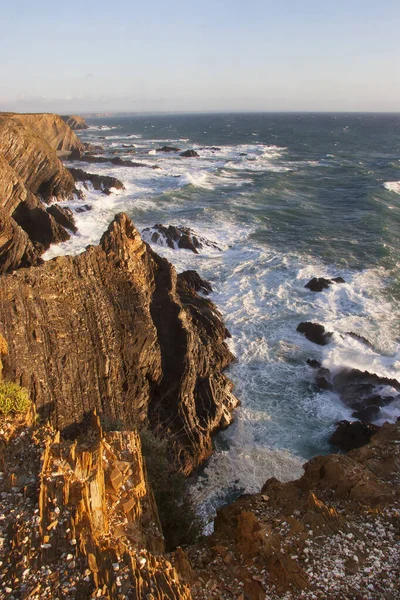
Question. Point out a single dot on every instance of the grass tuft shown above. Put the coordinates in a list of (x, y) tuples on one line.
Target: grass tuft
[(13, 398)]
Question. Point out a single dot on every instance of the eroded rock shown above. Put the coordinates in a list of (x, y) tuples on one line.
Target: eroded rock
[(99, 182), (176, 237), (113, 330)]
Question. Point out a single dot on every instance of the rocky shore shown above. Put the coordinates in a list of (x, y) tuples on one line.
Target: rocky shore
[(112, 345)]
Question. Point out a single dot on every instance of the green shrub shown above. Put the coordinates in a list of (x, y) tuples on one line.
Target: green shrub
[(13, 398), (181, 525)]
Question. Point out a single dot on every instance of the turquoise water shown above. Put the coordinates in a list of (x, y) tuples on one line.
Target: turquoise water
[(287, 198)]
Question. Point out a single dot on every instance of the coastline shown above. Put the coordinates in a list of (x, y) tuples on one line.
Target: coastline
[(194, 395)]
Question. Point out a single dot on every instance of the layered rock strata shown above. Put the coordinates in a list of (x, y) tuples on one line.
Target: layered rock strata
[(80, 517), (51, 128), (30, 175), (117, 330)]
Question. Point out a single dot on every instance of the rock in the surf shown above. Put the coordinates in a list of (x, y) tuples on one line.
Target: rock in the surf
[(189, 154), (317, 284), (99, 182), (315, 333), (176, 237), (168, 149)]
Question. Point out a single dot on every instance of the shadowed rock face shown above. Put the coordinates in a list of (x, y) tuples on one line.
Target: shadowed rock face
[(30, 173), (113, 330), (351, 435)]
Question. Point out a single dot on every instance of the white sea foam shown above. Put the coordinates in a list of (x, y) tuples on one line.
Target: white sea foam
[(102, 127), (392, 186)]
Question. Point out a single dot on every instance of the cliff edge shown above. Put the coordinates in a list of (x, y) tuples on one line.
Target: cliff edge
[(115, 329), (31, 175)]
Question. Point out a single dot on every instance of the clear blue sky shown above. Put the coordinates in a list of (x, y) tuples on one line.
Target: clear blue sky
[(194, 55)]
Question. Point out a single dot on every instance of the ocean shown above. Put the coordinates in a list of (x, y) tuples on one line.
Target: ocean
[(285, 197)]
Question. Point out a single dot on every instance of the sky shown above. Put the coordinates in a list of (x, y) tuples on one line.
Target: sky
[(199, 55)]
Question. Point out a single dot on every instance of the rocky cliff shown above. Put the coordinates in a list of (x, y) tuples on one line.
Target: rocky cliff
[(75, 122), (51, 128), (30, 175), (117, 330)]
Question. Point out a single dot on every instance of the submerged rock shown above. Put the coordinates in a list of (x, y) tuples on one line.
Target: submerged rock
[(313, 363), (119, 162), (84, 208), (168, 149)]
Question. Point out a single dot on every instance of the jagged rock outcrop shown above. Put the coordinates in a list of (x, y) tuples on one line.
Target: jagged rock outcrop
[(87, 525), (176, 237), (193, 280), (331, 534), (366, 393), (112, 330), (99, 182), (30, 173), (75, 122)]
